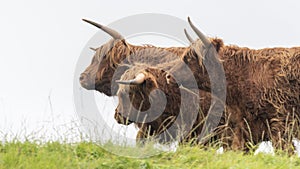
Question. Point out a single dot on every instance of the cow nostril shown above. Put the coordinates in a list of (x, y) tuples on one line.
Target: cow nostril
[(81, 77)]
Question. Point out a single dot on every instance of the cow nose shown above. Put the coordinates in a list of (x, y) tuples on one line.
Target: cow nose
[(82, 77), (85, 83)]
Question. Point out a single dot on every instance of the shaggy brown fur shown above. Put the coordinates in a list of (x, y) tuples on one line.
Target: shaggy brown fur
[(99, 74), (262, 100), (168, 125), (262, 91), (262, 86), (120, 56)]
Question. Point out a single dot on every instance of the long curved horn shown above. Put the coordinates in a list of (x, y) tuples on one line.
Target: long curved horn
[(108, 30), (188, 36), (139, 79), (202, 37)]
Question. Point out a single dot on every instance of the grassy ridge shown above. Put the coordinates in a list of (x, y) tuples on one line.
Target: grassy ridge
[(88, 155)]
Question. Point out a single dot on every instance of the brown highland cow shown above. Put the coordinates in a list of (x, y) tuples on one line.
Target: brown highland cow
[(262, 101)]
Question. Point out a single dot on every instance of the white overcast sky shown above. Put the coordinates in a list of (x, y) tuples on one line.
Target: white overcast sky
[(40, 42)]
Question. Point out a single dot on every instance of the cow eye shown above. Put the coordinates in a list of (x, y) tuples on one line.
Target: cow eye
[(94, 59)]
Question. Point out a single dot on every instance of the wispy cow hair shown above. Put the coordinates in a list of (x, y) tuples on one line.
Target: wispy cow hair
[(168, 125), (263, 86), (262, 90), (98, 75)]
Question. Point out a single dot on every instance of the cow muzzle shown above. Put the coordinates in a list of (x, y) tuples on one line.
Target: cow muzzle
[(85, 82)]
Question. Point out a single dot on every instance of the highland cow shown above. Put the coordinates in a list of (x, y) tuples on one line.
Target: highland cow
[(152, 99), (99, 74), (262, 86)]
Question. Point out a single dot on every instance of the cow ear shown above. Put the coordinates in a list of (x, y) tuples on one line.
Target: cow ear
[(218, 44), (124, 42), (150, 83), (93, 49), (150, 80)]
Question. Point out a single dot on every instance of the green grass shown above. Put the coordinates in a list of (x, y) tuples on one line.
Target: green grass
[(89, 155)]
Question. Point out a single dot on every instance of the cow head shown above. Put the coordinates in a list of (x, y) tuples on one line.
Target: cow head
[(98, 75), (144, 96), (203, 45), (152, 99), (201, 53)]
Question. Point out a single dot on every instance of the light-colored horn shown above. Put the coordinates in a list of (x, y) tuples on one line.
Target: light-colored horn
[(202, 37), (108, 30), (188, 36), (139, 79)]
